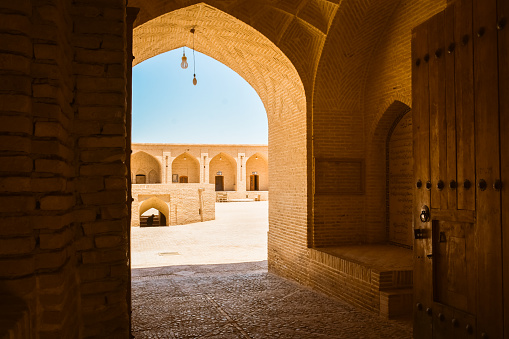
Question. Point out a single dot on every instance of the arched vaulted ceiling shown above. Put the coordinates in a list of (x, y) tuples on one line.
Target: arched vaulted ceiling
[(330, 42), (230, 41), (297, 27)]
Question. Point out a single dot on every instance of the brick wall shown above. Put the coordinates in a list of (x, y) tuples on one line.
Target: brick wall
[(101, 210), (182, 202), (37, 190), (387, 95)]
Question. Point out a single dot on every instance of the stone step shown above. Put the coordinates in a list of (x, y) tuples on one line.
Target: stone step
[(396, 302)]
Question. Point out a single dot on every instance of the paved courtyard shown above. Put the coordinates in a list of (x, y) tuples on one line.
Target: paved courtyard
[(210, 280)]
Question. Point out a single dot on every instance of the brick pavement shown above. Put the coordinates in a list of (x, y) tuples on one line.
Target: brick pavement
[(235, 297)]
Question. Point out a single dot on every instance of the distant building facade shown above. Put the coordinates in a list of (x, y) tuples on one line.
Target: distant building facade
[(183, 181)]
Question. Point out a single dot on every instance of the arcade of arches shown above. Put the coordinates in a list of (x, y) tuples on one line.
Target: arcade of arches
[(341, 82), (185, 178)]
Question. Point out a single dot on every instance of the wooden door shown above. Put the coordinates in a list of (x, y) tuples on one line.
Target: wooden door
[(219, 183), (458, 270), (183, 179), (254, 182)]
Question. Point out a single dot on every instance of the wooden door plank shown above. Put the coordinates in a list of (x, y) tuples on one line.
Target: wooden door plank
[(442, 318), (490, 306), (423, 323), (464, 80), (462, 321), (503, 64), (438, 127), (450, 107)]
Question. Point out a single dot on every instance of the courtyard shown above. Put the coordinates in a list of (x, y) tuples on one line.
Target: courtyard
[(210, 280)]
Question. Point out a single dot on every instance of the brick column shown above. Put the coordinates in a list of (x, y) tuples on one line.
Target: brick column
[(241, 172), (166, 168), (170, 168), (100, 67), (204, 168), (18, 192)]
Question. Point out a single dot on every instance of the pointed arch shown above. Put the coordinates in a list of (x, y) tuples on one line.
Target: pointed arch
[(258, 166), (158, 204), (377, 227), (144, 164), (186, 165), (223, 165)]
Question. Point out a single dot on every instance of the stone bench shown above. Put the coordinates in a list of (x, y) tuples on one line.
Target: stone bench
[(378, 278)]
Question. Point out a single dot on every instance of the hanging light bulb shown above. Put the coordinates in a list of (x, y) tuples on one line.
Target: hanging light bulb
[(194, 62), (184, 63)]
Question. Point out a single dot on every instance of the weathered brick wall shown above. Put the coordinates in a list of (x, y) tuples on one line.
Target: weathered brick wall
[(37, 191), (101, 211), (182, 201), (17, 201)]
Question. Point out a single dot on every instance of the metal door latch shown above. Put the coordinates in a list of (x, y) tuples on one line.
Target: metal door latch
[(424, 214)]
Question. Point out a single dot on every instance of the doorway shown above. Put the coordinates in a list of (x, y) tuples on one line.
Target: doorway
[(219, 183), (254, 181), (141, 179)]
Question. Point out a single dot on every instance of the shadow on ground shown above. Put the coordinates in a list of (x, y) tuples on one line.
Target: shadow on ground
[(243, 300)]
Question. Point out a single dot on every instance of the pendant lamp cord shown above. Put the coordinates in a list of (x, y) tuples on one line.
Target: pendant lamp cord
[(194, 61)]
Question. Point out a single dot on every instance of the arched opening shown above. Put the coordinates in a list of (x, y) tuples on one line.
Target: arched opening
[(257, 173), (258, 58), (185, 169), (223, 172), (153, 217), (154, 212), (142, 164), (262, 64)]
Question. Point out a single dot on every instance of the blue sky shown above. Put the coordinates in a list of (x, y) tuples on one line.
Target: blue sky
[(221, 109)]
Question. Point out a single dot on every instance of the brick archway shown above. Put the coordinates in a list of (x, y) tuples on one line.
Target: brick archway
[(278, 72)]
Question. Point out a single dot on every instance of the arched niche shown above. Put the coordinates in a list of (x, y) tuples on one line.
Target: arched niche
[(257, 173), (223, 167), (147, 165), (159, 205), (399, 181), (186, 166), (376, 228)]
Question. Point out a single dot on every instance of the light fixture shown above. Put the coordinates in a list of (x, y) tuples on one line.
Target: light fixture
[(194, 62), (220, 158), (184, 63), (185, 158), (256, 157)]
